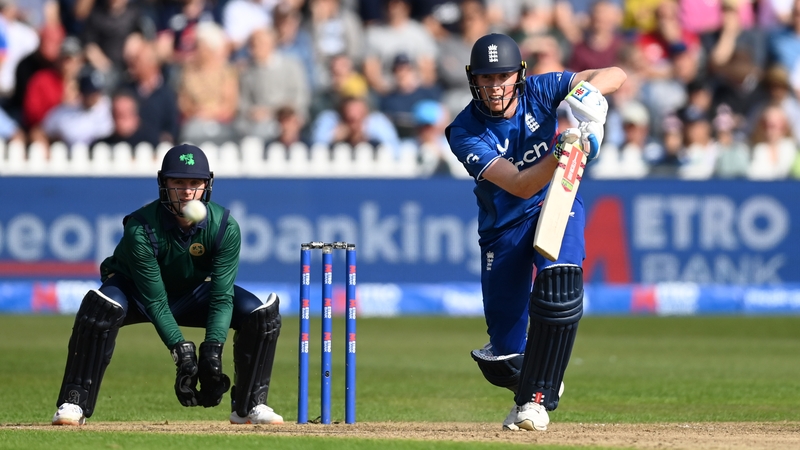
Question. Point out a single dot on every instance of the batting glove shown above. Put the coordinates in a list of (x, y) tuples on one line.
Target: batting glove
[(185, 357), (568, 136), (591, 139), (587, 103), (213, 383)]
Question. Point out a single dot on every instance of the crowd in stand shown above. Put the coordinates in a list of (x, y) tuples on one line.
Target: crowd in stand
[(712, 89)]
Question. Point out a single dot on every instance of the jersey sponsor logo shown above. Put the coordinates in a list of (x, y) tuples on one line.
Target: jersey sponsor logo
[(472, 158), (502, 149), (489, 260), (531, 155), (493, 58), (197, 249), (531, 122)]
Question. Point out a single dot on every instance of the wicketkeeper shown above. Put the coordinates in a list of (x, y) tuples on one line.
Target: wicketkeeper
[(172, 272)]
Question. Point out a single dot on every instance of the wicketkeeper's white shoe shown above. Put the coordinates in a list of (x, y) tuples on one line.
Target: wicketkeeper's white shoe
[(261, 414), (69, 414)]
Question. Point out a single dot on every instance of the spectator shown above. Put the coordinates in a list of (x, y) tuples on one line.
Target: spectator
[(271, 80), (209, 89), (454, 50), (440, 17), (49, 88), (157, 101), (776, 90), (295, 40), (290, 128), (240, 18), (435, 157), (107, 29), (669, 39), (345, 82), (398, 104), (734, 155), (602, 43), (572, 17), (177, 32), (9, 129), (784, 43), (128, 125), (84, 122), (668, 166), (774, 151), (700, 152), (19, 39), (539, 37), (631, 159), (398, 34), (353, 123), (334, 30), (639, 16), (44, 57)]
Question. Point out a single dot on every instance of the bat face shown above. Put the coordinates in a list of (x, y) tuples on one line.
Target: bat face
[(558, 203)]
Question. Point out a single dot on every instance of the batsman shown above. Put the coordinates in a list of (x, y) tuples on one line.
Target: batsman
[(506, 139), (174, 271)]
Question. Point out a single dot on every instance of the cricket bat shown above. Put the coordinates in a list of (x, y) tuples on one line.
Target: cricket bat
[(557, 204)]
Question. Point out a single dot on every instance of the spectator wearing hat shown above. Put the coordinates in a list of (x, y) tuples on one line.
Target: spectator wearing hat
[(51, 87), (345, 81), (734, 154), (629, 160), (84, 122), (436, 159), (408, 90)]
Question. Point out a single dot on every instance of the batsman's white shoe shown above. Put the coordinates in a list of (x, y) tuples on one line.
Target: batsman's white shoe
[(530, 416), (69, 414), (261, 414)]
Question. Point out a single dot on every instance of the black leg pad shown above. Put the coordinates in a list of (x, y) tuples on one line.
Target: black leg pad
[(254, 347), (91, 345), (556, 306)]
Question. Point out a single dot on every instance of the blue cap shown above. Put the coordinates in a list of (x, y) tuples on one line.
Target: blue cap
[(427, 112)]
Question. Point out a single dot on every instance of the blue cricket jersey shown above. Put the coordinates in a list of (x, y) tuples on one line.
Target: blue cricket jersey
[(477, 140)]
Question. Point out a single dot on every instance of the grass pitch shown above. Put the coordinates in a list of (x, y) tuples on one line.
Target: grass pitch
[(417, 369)]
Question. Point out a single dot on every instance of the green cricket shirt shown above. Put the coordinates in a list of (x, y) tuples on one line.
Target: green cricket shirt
[(185, 260)]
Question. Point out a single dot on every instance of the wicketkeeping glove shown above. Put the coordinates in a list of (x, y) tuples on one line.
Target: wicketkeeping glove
[(587, 103), (185, 357), (213, 383)]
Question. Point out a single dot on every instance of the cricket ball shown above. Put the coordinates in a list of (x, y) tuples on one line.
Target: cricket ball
[(194, 211)]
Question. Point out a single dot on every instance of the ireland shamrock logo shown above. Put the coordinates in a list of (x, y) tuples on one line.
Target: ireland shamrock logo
[(188, 159)]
